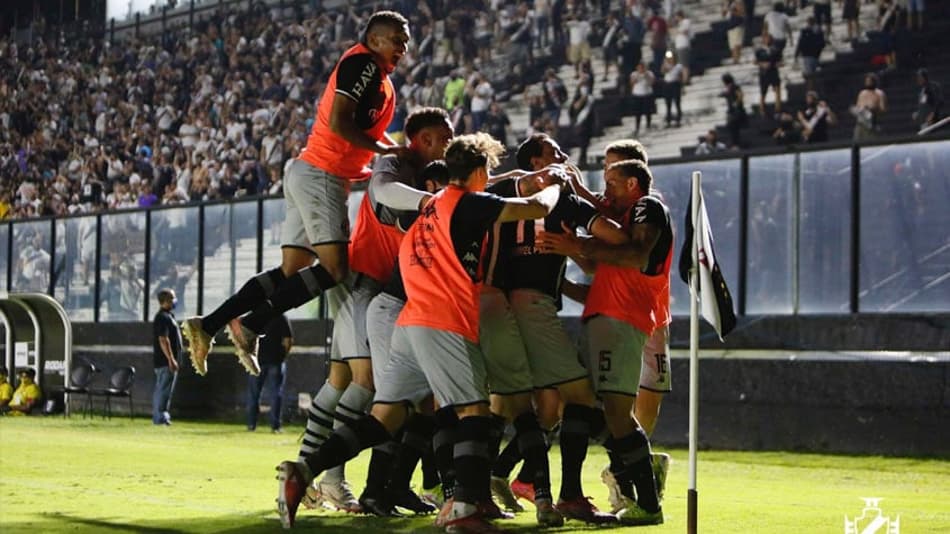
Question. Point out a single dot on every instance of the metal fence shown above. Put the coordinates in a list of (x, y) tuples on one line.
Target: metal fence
[(830, 231)]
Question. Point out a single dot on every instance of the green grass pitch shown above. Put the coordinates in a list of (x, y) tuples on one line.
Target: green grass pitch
[(75, 475)]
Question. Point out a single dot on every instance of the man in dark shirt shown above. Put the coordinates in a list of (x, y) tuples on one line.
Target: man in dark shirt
[(273, 350), (166, 356), (768, 57), (531, 281)]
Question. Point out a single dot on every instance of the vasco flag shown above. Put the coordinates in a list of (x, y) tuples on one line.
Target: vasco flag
[(718, 311)]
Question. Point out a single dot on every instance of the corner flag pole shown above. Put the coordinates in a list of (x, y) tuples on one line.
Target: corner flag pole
[(692, 495)]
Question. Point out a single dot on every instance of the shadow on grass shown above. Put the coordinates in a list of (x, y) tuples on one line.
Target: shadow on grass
[(247, 524)]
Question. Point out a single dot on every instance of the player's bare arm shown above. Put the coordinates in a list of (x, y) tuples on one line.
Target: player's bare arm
[(537, 206), (343, 123), (635, 254)]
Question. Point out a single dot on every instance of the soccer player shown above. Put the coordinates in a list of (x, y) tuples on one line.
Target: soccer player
[(532, 281), (351, 120), (620, 313), (435, 343), (348, 392), (655, 375)]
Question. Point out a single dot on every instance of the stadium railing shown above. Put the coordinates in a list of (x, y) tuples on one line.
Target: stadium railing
[(839, 230)]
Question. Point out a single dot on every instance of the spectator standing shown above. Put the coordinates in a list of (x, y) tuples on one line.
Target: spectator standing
[(641, 91), (710, 144), (682, 41), (777, 24), (811, 41), (734, 13), (868, 108), (275, 346), (578, 50), (929, 100), (166, 356), (482, 94), (850, 11), (822, 11), (610, 43), (768, 57), (659, 32), (497, 122), (555, 94), (27, 393), (631, 43), (736, 117), (542, 19), (674, 76)]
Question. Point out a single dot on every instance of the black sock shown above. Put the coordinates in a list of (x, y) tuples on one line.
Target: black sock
[(255, 291), (416, 439), (617, 468), (598, 426), (505, 462), (471, 460), (575, 435), (346, 442), (430, 469), (534, 449), (380, 465), (443, 445), (299, 289), (634, 452)]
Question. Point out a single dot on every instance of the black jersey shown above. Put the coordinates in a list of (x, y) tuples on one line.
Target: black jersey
[(514, 262)]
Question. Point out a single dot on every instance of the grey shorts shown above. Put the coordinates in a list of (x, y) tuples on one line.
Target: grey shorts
[(380, 322), (500, 338), (316, 207), (552, 355), (656, 373), (614, 355), (425, 360), (349, 325)]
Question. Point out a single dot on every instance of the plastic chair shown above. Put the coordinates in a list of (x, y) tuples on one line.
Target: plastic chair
[(120, 385), (79, 380)]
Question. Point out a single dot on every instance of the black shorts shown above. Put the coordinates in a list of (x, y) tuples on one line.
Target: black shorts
[(768, 79)]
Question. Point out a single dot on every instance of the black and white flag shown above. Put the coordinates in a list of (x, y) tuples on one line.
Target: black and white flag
[(715, 298)]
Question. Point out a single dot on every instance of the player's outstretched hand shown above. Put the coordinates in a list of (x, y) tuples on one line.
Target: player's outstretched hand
[(566, 244)]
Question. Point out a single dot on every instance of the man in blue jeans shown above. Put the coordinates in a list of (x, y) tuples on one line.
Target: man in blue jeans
[(166, 355), (272, 351)]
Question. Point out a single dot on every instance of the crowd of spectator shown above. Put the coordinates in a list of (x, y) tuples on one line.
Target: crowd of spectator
[(216, 110)]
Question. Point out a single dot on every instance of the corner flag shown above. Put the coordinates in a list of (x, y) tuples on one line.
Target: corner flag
[(707, 287), (714, 296)]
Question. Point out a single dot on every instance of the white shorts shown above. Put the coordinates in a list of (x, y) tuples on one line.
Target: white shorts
[(380, 322), (614, 351), (656, 375), (349, 325), (552, 356), (506, 360), (316, 203), (428, 361)]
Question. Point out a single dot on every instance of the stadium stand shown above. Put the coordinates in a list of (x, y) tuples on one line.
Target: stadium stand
[(214, 110)]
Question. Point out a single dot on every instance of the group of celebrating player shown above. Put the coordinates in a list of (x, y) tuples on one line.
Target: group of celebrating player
[(449, 329)]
